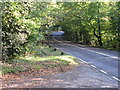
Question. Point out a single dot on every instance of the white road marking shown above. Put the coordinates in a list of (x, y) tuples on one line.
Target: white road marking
[(87, 62), (71, 55), (80, 59), (91, 50), (103, 71), (116, 78), (93, 66), (97, 52)]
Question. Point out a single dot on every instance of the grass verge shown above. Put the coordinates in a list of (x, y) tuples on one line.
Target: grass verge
[(45, 57)]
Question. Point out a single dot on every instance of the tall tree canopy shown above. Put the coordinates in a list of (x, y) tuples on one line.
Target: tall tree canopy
[(91, 23)]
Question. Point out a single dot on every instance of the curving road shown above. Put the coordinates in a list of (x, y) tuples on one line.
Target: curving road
[(104, 60)]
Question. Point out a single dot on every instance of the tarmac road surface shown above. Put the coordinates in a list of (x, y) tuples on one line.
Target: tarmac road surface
[(104, 60)]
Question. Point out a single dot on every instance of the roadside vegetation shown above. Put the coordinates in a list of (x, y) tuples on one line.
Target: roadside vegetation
[(43, 57), (26, 25)]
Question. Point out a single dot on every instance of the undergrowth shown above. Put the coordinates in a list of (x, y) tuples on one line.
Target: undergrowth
[(38, 60)]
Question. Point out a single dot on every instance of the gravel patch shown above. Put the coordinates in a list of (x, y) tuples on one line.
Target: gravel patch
[(84, 76)]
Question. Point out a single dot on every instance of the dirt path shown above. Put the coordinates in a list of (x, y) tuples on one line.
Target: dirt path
[(82, 76)]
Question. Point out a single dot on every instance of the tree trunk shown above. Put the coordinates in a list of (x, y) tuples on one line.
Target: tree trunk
[(99, 32)]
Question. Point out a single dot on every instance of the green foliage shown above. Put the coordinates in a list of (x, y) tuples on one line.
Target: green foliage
[(18, 29), (95, 23), (33, 62), (37, 67), (24, 24), (10, 69), (13, 36)]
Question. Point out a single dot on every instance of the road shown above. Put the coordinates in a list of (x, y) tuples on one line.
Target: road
[(106, 61)]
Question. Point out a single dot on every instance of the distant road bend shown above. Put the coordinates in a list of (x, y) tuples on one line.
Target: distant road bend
[(104, 60)]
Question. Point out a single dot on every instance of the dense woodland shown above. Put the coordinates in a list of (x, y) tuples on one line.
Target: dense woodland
[(24, 24)]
